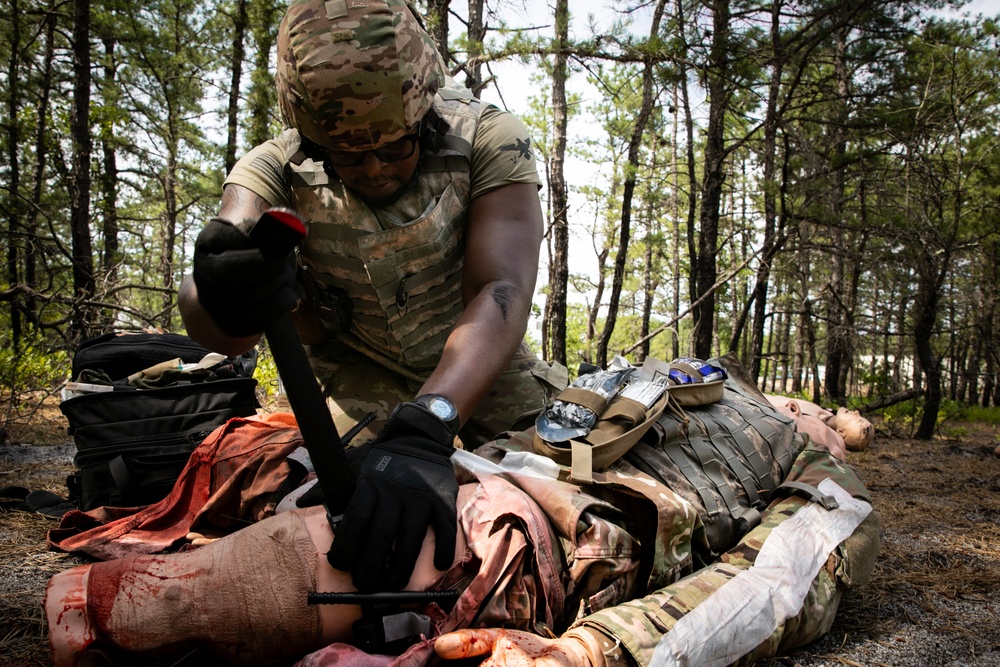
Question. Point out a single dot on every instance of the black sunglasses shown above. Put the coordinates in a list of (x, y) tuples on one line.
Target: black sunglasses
[(398, 150)]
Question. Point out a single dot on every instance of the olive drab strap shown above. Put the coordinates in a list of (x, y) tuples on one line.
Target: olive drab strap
[(809, 491), (722, 441), (713, 469), (766, 429), (684, 458), (727, 428)]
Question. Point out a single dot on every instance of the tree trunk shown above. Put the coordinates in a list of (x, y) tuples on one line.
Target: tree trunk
[(602, 258), (555, 324), (109, 176), (168, 229), (772, 238), (675, 249), (649, 281), (807, 318), (624, 232), (236, 64), (928, 297), (837, 325), (476, 33), (262, 99), (704, 268), (14, 222), (82, 249), (437, 25), (692, 177), (110, 256), (32, 244)]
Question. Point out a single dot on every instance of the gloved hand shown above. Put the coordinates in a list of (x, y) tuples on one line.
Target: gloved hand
[(406, 485), (242, 287)]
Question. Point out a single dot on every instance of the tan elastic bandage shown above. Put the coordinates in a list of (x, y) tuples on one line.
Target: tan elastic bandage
[(243, 596)]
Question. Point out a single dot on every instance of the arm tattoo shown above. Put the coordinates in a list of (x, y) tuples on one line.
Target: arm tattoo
[(238, 198), (502, 296)]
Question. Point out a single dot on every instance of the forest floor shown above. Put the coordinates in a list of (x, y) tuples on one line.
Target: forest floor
[(934, 599)]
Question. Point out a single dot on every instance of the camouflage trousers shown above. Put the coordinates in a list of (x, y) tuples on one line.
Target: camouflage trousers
[(356, 385), (631, 631)]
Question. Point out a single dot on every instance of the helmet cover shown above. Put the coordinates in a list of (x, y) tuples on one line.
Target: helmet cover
[(355, 74)]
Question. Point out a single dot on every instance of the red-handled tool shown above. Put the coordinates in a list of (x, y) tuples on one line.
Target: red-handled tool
[(279, 231)]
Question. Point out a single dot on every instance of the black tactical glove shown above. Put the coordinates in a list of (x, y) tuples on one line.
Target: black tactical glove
[(242, 287), (406, 484)]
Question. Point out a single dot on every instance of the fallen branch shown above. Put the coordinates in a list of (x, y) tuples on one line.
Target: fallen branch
[(892, 399)]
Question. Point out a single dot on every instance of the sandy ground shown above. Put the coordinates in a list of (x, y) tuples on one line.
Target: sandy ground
[(933, 601)]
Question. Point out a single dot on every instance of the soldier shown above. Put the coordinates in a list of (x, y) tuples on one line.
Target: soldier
[(418, 269)]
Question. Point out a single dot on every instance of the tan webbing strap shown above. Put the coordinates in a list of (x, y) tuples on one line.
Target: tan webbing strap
[(607, 442), (620, 416), (689, 369), (629, 408), (677, 410), (581, 469)]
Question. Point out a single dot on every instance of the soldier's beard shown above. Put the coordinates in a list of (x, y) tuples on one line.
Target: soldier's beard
[(381, 202)]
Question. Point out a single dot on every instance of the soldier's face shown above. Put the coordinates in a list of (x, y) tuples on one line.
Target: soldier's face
[(377, 180)]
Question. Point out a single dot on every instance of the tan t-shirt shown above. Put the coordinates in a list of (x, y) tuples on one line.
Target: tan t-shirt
[(502, 153)]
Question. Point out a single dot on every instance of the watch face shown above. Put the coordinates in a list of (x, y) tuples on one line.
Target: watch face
[(442, 408)]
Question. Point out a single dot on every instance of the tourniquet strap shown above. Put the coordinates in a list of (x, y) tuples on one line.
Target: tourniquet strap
[(811, 492)]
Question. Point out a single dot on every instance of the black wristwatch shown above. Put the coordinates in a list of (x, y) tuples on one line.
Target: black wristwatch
[(442, 408)]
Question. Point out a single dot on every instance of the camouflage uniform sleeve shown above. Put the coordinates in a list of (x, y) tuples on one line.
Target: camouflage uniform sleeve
[(502, 153), (635, 627), (262, 172)]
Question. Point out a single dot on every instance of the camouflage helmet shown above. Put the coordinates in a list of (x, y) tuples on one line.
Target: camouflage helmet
[(355, 75)]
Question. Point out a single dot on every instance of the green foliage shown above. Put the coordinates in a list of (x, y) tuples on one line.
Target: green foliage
[(31, 368), (879, 380), (902, 415), (887, 172), (266, 374), (951, 411), (980, 415)]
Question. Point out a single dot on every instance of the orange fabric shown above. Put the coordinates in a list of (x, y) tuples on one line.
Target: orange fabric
[(236, 476)]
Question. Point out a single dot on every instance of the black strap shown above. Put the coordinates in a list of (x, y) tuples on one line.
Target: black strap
[(122, 476), (811, 492)]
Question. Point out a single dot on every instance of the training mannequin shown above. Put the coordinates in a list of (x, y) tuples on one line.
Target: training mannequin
[(856, 431)]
